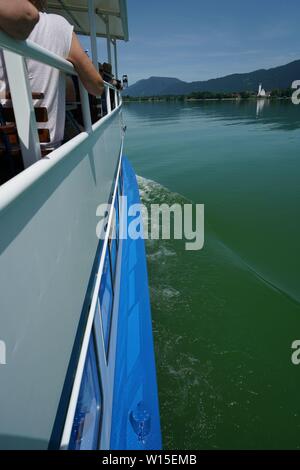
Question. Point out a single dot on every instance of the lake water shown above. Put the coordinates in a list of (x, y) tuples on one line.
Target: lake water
[(225, 317)]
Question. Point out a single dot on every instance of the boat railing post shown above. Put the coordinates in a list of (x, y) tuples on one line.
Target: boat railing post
[(116, 58), (92, 22), (85, 104), (23, 107), (116, 98), (108, 40), (107, 95)]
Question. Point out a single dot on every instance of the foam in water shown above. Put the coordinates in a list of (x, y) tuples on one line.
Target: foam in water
[(211, 315)]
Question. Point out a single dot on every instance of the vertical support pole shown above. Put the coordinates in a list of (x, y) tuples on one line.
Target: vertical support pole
[(23, 108), (108, 41), (116, 59), (93, 33), (116, 98), (85, 106), (108, 102)]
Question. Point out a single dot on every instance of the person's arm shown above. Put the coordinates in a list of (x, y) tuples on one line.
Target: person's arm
[(89, 76), (18, 18)]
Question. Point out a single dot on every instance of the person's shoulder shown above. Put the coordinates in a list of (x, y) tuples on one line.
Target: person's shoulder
[(57, 21)]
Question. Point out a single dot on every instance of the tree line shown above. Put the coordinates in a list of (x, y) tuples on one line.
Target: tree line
[(209, 95)]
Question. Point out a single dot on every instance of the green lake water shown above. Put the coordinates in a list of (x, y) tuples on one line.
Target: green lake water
[(224, 318)]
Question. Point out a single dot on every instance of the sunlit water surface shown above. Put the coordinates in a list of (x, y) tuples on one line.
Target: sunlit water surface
[(224, 318)]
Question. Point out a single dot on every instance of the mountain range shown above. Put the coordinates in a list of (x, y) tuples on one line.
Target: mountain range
[(277, 77)]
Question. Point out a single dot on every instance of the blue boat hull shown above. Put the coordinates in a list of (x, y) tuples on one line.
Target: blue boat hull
[(135, 419)]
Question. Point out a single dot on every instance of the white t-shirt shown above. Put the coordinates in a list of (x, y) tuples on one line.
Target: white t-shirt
[(53, 32)]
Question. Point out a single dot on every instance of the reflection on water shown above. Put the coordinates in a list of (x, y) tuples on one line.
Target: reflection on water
[(279, 114), (260, 106), (225, 317)]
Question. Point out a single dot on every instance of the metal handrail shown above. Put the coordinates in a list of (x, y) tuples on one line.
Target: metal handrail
[(31, 50), (21, 49)]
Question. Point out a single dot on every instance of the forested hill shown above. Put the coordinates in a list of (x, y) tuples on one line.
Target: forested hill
[(277, 77)]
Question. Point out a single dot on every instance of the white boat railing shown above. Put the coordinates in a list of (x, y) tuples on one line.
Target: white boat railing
[(15, 53), (107, 367)]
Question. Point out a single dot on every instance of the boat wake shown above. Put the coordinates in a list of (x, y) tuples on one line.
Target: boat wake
[(212, 312), (152, 192)]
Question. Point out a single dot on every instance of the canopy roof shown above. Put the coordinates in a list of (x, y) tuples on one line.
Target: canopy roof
[(112, 11)]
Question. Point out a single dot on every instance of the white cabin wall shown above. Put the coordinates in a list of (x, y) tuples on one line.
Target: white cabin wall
[(47, 248)]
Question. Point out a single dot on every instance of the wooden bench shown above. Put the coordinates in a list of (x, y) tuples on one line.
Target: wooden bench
[(11, 161)]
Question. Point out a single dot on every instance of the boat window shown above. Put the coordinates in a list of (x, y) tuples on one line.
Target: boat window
[(106, 299), (86, 426)]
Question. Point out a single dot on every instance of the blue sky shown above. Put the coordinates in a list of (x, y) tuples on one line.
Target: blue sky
[(198, 40)]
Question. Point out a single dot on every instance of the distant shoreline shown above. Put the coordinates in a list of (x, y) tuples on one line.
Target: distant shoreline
[(189, 100), (240, 99)]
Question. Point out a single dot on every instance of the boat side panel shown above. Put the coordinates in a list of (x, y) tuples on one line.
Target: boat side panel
[(135, 388), (47, 249)]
